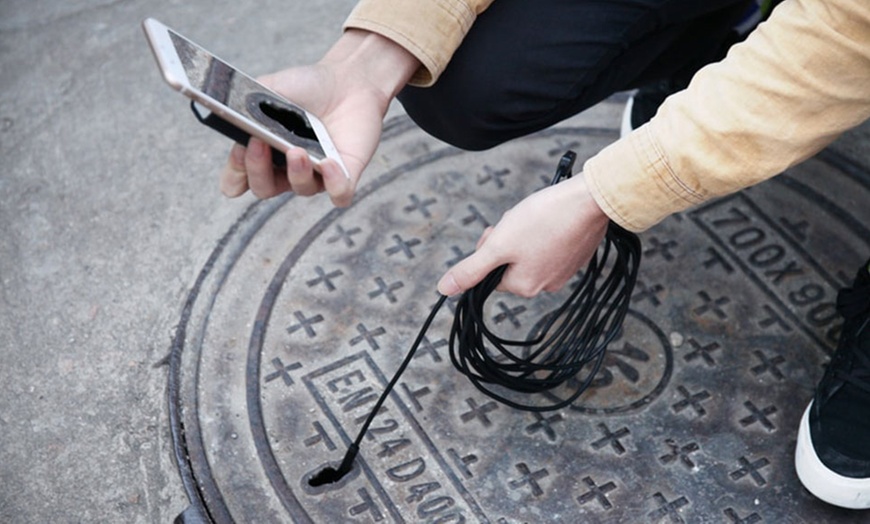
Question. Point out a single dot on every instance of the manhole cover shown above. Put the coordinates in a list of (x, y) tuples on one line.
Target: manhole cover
[(303, 313)]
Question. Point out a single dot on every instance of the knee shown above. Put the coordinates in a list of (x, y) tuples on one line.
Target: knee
[(465, 117)]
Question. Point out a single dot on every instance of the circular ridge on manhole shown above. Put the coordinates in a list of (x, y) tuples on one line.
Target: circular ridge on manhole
[(298, 319)]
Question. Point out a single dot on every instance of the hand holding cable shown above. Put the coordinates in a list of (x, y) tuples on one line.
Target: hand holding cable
[(545, 239)]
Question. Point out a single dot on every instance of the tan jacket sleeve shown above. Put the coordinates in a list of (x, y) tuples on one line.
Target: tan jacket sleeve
[(430, 29), (800, 80)]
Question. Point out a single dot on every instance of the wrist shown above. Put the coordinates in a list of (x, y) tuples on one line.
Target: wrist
[(588, 209), (373, 58)]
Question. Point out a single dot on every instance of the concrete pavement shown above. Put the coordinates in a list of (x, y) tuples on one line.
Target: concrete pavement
[(108, 207)]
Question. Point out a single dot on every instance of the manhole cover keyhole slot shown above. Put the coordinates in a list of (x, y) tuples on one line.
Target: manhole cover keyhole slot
[(327, 475)]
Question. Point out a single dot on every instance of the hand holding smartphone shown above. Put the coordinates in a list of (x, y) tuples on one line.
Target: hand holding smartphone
[(235, 104)]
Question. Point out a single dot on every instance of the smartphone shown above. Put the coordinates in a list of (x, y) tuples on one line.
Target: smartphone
[(234, 103)]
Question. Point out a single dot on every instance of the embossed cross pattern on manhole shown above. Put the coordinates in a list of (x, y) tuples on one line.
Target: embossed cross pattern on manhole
[(298, 320)]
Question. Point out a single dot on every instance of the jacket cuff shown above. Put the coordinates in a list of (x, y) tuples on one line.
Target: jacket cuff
[(634, 185), (432, 43)]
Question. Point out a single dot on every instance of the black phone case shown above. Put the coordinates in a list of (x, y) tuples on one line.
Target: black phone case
[(232, 132)]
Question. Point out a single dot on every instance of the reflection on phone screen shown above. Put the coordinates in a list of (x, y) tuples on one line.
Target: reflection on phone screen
[(245, 96)]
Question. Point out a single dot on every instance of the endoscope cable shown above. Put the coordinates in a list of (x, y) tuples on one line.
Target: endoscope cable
[(582, 327)]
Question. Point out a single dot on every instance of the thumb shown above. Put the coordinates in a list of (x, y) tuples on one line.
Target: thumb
[(337, 182), (467, 273)]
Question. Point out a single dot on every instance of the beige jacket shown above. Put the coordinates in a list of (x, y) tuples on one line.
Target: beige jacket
[(799, 80)]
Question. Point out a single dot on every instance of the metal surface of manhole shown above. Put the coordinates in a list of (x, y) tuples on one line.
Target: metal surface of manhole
[(299, 319)]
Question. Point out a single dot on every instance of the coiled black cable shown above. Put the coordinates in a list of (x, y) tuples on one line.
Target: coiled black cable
[(571, 338)]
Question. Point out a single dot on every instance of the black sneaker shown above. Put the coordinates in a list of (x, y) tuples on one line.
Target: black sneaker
[(833, 447)]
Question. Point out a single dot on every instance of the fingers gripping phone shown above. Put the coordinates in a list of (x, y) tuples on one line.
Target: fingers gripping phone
[(235, 104)]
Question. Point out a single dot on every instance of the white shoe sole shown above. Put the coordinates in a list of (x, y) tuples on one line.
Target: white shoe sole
[(625, 125), (825, 484)]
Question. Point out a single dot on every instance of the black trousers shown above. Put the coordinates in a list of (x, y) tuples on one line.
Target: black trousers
[(526, 65)]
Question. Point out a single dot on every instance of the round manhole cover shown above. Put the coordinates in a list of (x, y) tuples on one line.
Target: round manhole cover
[(303, 312)]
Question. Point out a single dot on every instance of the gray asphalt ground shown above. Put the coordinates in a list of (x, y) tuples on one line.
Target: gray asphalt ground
[(109, 206)]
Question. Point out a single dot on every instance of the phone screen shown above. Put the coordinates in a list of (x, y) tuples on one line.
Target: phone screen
[(245, 96)]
